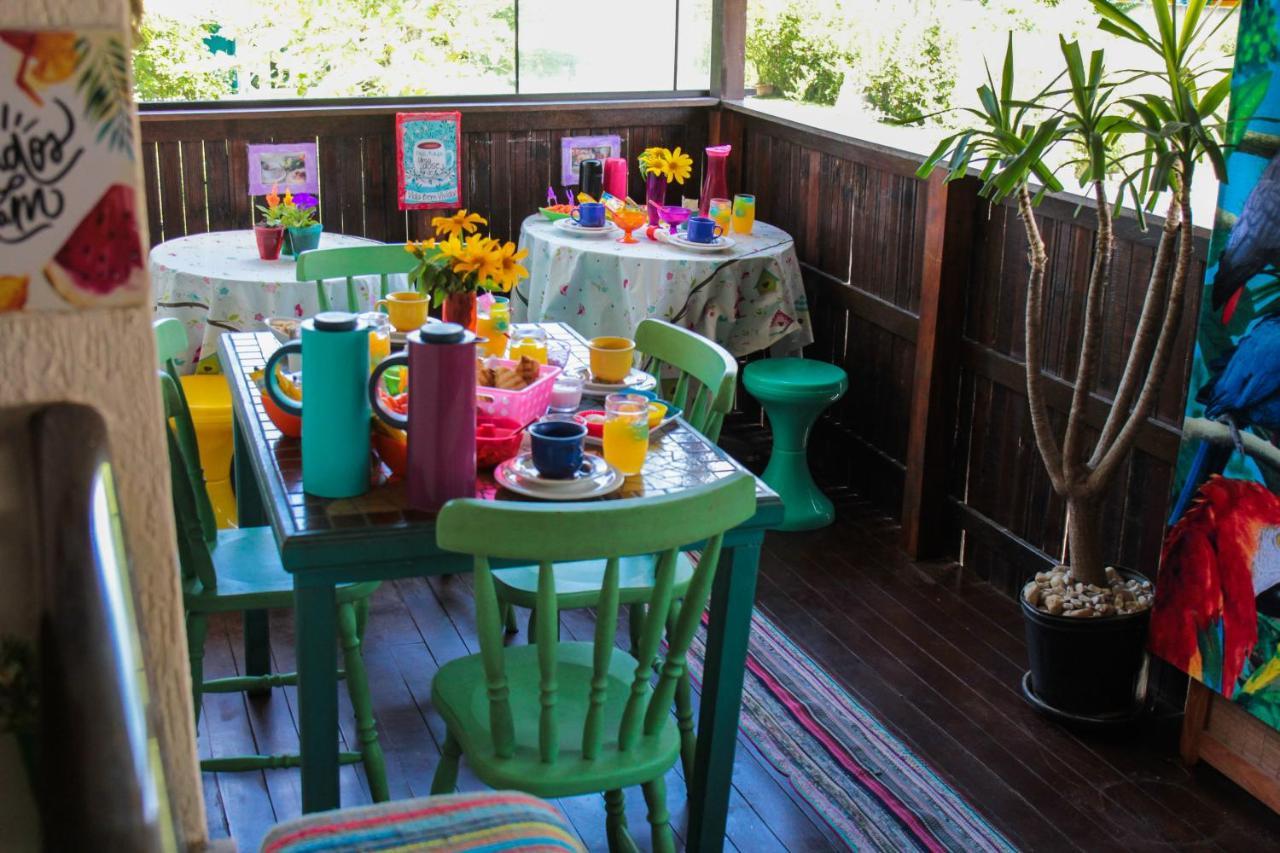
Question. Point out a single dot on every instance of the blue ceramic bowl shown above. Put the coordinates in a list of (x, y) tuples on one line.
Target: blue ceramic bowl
[(557, 448)]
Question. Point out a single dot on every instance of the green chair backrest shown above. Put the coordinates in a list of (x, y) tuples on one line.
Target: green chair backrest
[(555, 533), (349, 262), (713, 371), (192, 511)]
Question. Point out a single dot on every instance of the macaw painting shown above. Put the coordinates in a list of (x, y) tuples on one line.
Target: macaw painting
[(1217, 605)]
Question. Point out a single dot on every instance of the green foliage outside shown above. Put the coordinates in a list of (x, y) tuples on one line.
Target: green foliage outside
[(325, 48), (794, 53), (917, 76)]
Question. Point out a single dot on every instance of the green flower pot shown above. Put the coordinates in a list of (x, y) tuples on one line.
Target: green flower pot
[(303, 239)]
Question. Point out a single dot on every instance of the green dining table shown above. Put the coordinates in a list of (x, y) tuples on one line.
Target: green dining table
[(376, 536)]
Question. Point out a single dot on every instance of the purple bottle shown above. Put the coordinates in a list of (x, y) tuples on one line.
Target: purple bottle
[(442, 413)]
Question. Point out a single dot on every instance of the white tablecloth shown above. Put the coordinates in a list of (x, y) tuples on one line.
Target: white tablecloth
[(216, 283), (748, 298)]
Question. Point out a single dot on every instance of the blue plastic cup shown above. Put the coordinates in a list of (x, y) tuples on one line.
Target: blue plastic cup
[(702, 229), (557, 448), (589, 214)]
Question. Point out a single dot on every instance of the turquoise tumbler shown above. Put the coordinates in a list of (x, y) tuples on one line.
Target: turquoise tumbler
[(335, 426)]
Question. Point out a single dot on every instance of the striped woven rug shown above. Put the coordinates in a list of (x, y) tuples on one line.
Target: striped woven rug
[(864, 782)]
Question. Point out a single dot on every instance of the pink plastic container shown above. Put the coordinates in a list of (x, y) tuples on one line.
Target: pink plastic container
[(527, 404)]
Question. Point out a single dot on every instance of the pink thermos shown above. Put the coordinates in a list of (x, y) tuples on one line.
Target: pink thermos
[(442, 413), (615, 176)]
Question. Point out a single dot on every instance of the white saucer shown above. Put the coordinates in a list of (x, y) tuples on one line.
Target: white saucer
[(636, 380), (607, 483), (593, 467), (719, 244), (570, 227)]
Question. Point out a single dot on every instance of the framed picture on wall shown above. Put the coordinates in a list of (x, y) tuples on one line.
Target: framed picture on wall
[(291, 166), (429, 160), (575, 149)]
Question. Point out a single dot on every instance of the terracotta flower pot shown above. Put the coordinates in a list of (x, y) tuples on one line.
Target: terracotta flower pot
[(270, 240)]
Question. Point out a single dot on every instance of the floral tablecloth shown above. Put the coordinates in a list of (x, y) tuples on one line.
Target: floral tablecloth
[(748, 298), (216, 283)]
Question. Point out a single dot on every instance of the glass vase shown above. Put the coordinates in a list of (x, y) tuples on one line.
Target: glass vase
[(715, 182), (655, 196), (460, 308)]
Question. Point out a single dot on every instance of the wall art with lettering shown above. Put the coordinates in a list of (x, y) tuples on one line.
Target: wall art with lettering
[(69, 225), (429, 160)]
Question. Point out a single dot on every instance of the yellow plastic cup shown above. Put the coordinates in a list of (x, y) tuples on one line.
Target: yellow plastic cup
[(626, 432), (744, 213), (406, 308), (611, 358)]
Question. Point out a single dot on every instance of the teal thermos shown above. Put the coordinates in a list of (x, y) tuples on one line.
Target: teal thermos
[(335, 410)]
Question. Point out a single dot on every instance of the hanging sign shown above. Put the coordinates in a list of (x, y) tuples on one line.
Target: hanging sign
[(429, 160), (69, 225)]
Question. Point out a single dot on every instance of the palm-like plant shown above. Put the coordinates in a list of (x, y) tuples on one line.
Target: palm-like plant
[(1139, 135)]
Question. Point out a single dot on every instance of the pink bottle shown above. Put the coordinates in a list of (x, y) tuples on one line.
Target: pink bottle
[(715, 183), (615, 176), (442, 413)]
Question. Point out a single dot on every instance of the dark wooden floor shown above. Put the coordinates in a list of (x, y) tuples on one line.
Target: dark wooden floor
[(935, 654)]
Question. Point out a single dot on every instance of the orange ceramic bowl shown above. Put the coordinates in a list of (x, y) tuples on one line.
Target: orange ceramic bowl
[(289, 425), (393, 452)]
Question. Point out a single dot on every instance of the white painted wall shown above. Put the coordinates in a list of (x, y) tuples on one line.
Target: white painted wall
[(106, 358)]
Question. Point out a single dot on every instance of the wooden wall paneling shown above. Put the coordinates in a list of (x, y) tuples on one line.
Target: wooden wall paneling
[(330, 155), (379, 218), (242, 212), (193, 190), (480, 167), (217, 186), (835, 212), (351, 185), (500, 193), (151, 186), (172, 205)]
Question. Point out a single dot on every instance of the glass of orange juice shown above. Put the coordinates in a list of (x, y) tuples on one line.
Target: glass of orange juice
[(626, 432), (744, 213), (379, 336), (528, 340), (721, 210)]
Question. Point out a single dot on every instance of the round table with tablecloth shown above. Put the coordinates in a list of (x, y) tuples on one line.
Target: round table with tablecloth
[(747, 298), (215, 283)]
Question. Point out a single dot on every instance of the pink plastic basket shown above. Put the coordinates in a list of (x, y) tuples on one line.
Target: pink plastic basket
[(526, 405)]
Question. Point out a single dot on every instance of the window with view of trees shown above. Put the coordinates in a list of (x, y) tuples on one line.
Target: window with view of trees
[(214, 50)]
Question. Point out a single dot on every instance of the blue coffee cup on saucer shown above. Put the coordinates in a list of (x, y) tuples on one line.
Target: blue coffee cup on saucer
[(702, 229), (557, 448), (589, 214)]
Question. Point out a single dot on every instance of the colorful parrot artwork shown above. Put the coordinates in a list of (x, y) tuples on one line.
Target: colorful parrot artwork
[(1220, 571), (1253, 245)]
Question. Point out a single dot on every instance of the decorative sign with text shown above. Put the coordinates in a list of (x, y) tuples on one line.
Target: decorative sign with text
[(69, 228), (429, 160)]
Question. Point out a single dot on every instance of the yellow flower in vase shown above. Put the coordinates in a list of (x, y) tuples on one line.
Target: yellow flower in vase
[(510, 270), (679, 166), (458, 224)]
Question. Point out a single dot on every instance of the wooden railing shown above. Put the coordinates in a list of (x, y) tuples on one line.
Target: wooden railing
[(196, 165), (915, 287)]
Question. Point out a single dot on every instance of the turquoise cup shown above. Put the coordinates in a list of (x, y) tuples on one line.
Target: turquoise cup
[(335, 427)]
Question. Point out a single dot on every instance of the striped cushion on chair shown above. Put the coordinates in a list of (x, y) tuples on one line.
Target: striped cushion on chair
[(489, 821)]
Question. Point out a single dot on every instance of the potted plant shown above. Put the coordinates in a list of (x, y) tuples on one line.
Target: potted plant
[(1132, 138), (659, 166), (298, 216), (458, 262), (269, 232)]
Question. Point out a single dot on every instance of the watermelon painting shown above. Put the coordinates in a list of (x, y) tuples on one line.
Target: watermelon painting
[(101, 262)]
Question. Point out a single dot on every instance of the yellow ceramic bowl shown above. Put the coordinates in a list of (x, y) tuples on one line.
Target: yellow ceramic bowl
[(406, 308), (657, 411), (611, 358)]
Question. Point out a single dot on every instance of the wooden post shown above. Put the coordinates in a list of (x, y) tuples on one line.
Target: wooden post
[(728, 49), (947, 222)]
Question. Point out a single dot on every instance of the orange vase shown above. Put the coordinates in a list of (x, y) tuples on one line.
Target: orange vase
[(460, 308)]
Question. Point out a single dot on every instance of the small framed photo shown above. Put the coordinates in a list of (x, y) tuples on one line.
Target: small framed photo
[(429, 160), (287, 166), (575, 149)]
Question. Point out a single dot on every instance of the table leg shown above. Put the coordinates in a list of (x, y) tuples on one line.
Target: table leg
[(729, 625), (250, 513), (314, 610)]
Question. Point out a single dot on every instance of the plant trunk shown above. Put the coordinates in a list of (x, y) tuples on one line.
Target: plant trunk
[(1084, 536)]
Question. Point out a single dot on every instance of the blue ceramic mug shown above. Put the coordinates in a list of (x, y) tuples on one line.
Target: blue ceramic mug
[(703, 229), (589, 214), (557, 448)]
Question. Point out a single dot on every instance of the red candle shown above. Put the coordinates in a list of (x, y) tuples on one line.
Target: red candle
[(615, 176)]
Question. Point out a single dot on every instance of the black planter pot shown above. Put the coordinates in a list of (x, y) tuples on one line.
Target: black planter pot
[(1091, 671)]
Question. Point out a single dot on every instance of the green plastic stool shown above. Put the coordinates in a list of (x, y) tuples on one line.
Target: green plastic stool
[(794, 391)]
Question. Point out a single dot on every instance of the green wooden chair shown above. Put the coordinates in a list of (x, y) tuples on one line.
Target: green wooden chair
[(240, 570), (320, 264), (559, 719), (705, 378)]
